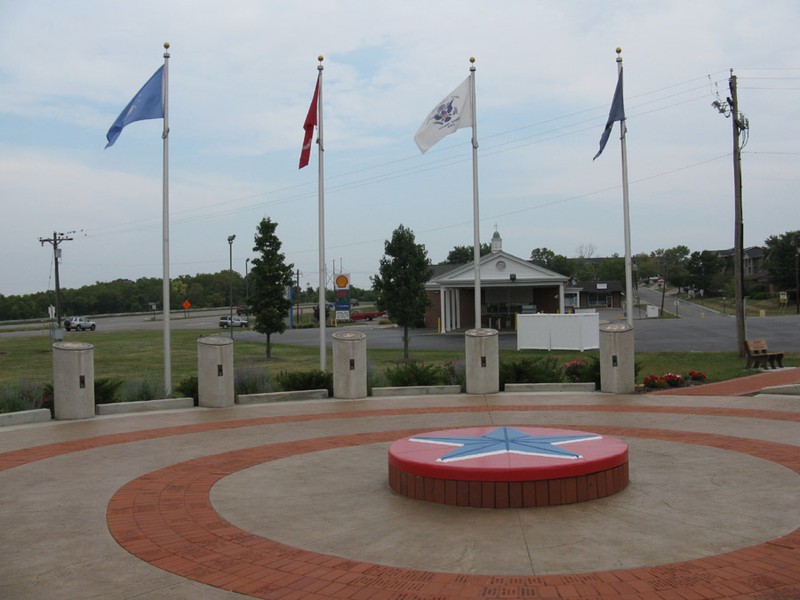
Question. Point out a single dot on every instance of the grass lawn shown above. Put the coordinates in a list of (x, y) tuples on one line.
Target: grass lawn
[(138, 355)]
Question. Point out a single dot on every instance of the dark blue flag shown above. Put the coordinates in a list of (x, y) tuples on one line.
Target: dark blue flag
[(617, 113), (148, 103)]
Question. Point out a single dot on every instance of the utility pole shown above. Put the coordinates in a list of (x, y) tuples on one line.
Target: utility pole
[(740, 124), (797, 280), (55, 241)]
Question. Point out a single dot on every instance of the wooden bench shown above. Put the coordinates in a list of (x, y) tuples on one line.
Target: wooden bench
[(758, 354)]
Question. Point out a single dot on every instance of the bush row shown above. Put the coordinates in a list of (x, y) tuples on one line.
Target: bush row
[(255, 380)]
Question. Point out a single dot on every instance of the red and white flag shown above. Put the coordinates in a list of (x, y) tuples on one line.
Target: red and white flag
[(311, 122)]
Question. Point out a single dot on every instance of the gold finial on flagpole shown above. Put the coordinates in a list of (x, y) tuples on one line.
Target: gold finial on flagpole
[(472, 63), (166, 49), (320, 58)]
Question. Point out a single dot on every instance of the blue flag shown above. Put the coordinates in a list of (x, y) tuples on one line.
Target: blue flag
[(617, 113), (148, 103)]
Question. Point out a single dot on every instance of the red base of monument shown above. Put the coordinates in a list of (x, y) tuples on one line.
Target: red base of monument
[(527, 472)]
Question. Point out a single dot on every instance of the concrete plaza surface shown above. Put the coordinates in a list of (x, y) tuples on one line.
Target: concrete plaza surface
[(291, 501)]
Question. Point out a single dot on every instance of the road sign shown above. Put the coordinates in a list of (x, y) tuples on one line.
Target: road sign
[(342, 281), (186, 305)]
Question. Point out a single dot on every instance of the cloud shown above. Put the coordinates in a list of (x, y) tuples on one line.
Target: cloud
[(241, 79)]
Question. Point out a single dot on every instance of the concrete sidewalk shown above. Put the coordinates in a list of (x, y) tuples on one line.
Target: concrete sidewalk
[(290, 501)]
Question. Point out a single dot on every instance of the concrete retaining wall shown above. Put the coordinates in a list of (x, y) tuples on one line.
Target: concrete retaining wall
[(416, 390), (282, 396), (118, 408), (22, 417), (550, 387)]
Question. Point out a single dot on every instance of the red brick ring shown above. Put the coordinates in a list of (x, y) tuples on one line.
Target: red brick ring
[(166, 519)]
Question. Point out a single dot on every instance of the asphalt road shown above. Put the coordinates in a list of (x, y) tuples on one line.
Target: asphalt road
[(696, 330)]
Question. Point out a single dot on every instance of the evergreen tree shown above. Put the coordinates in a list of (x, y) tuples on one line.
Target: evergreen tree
[(270, 278), (400, 284)]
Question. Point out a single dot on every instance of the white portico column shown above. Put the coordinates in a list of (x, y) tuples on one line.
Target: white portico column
[(442, 309), (457, 309), (561, 305)]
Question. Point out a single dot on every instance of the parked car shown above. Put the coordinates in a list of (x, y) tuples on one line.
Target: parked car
[(226, 322), (79, 324), (357, 315)]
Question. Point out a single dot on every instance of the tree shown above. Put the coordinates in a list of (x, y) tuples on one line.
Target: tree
[(646, 266), (562, 265), (703, 267), (461, 255), (270, 278), (400, 283), (780, 257), (543, 255), (611, 269)]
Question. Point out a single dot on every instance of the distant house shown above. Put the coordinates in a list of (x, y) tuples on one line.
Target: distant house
[(600, 294), (509, 285), (753, 267)]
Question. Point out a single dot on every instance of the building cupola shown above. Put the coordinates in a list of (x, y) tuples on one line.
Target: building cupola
[(497, 242)]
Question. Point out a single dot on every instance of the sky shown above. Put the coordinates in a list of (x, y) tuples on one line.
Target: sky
[(241, 77)]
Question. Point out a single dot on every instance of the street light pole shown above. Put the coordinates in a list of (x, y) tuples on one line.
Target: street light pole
[(230, 279)]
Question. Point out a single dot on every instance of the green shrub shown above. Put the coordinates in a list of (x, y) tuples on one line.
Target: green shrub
[(147, 388), (187, 388), (415, 373), (305, 380), (105, 390), (374, 379), (584, 370), (546, 369), (25, 395), (251, 380), (456, 374)]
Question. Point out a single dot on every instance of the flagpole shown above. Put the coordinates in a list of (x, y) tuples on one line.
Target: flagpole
[(626, 211), (165, 228), (321, 202), (476, 223)]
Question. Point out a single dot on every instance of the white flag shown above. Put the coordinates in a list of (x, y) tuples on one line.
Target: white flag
[(453, 112)]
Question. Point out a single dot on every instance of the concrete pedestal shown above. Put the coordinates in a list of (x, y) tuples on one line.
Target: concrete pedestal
[(482, 355), (73, 380), (349, 365), (215, 372), (617, 374)]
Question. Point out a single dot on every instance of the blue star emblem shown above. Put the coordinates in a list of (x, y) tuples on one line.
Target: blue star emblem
[(506, 440)]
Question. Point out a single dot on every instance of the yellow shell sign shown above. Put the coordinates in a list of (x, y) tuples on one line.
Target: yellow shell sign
[(342, 282)]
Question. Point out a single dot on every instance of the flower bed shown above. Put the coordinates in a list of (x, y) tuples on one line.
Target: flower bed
[(670, 380)]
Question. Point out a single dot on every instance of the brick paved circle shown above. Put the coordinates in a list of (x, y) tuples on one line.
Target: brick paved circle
[(166, 518)]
